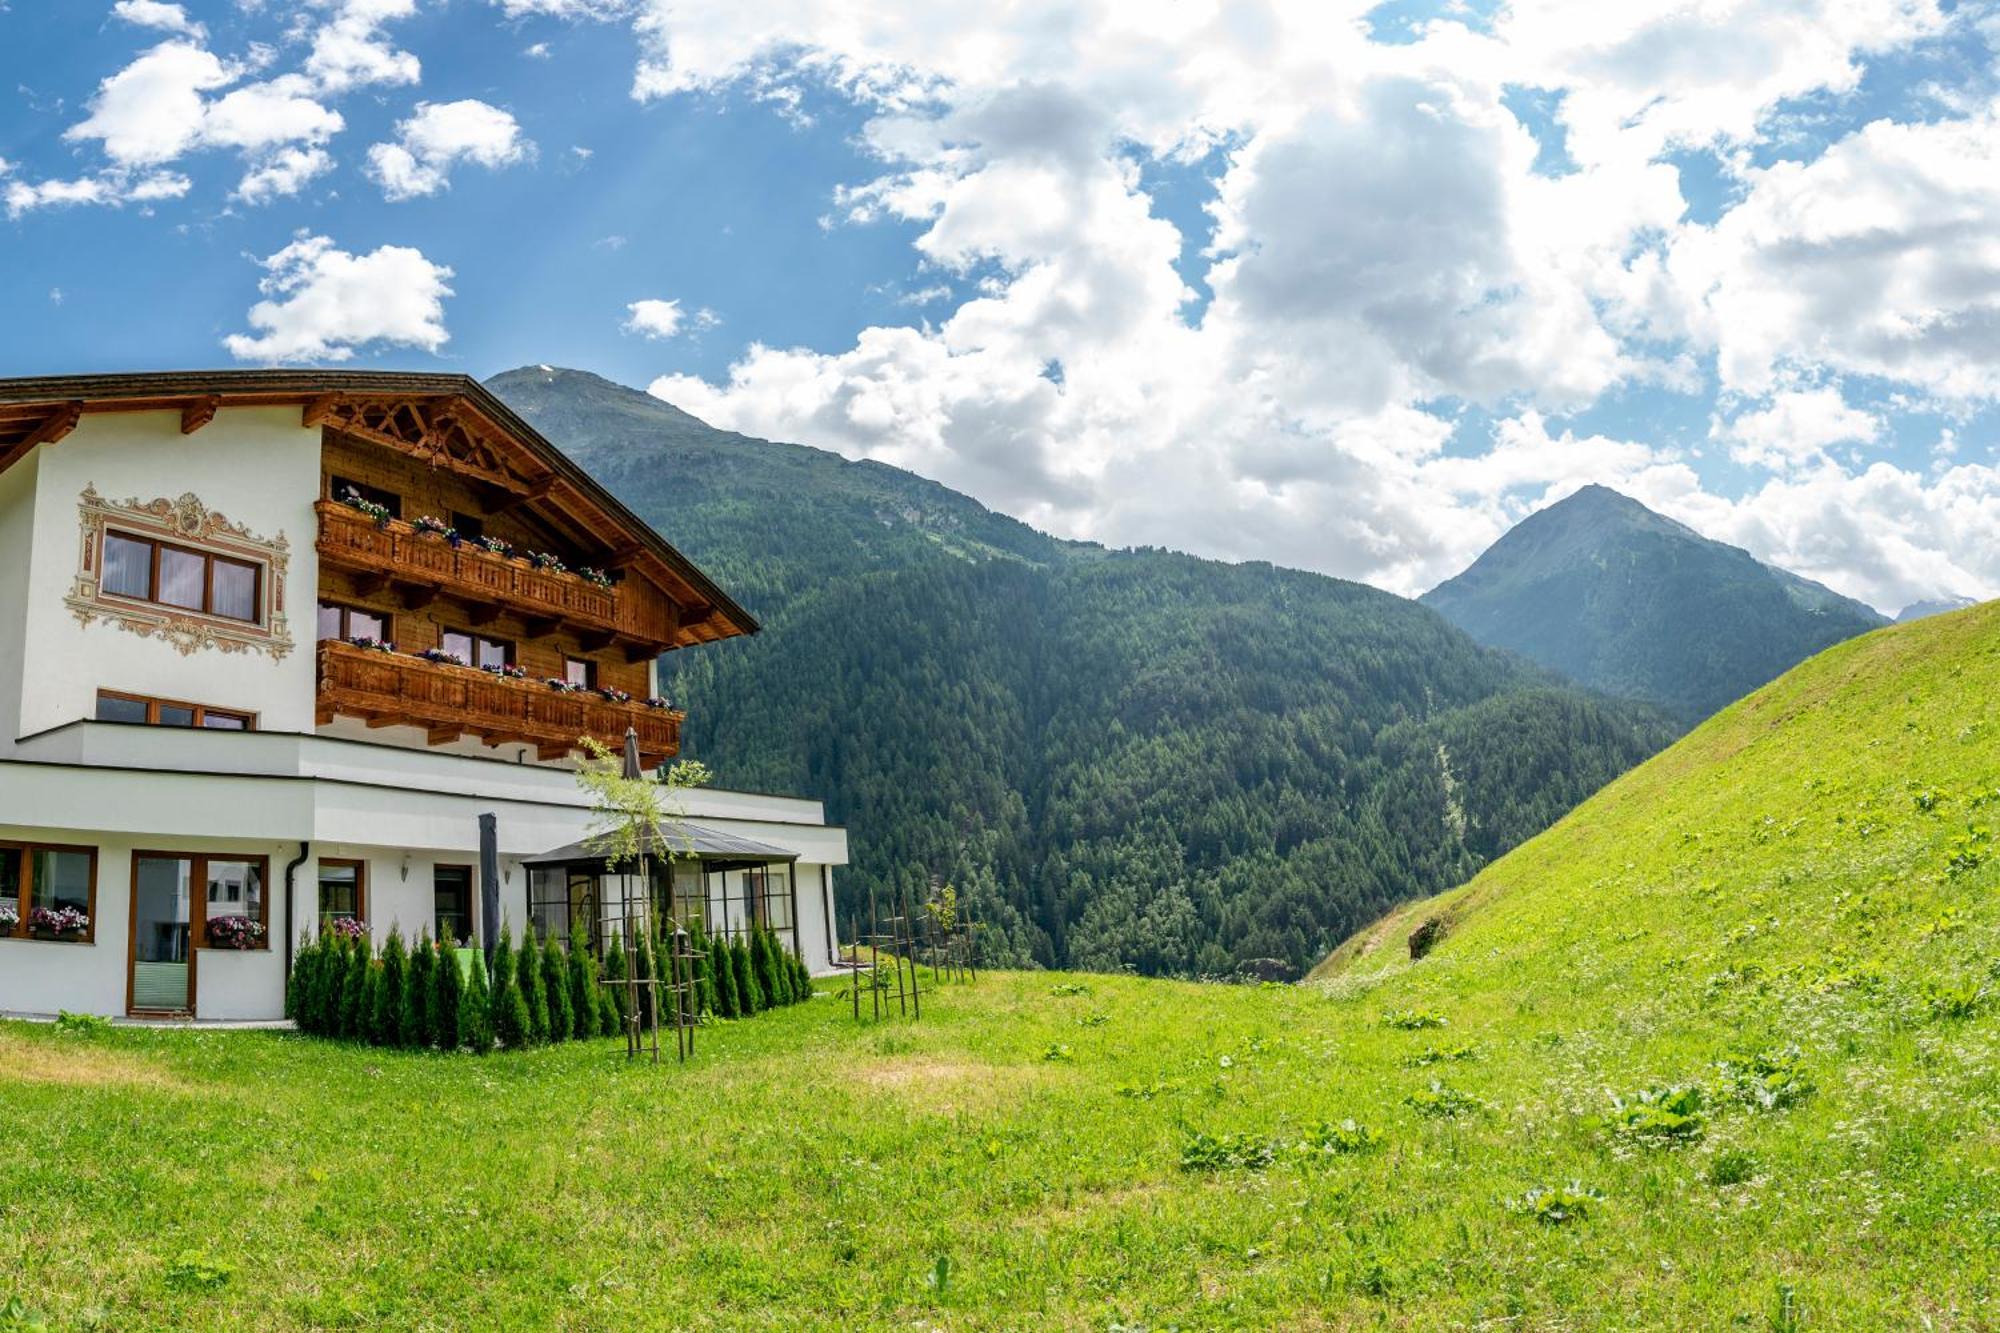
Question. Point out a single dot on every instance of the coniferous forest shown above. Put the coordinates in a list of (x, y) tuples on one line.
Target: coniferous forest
[(1121, 758)]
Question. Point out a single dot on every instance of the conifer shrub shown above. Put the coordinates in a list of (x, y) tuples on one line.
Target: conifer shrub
[(615, 971), (509, 1011), (528, 976), (354, 1011), (582, 984), (328, 975), (555, 985), (475, 1015), (371, 999), (607, 1013), (642, 972), (802, 982), (764, 959), (414, 1023), (386, 1025), (728, 995), (704, 969), (447, 995), (750, 997), (295, 984)]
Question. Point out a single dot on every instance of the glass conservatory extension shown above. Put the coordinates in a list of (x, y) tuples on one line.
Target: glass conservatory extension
[(726, 883)]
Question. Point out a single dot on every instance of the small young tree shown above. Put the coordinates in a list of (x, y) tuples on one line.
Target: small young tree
[(447, 996), (555, 984), (354, 1011), (475, 1015), (802, 982), (509, 1010), (386, 1027), (749, 995), (528, 976), (582, 984), (413, 1025)]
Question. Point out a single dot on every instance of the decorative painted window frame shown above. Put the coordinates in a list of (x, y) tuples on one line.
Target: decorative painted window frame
[(186, 521)]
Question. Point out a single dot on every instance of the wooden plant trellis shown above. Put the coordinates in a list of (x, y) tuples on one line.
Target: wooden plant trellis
[(884, 960)]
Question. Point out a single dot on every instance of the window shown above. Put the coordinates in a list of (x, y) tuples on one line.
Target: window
[(476, 649), (451, 892), (153, 571), (348, 623), (55, 879), (580, 671), (234, 888), (343, 890), (560, 898), (114, 707), (337, 488), (468, 526)]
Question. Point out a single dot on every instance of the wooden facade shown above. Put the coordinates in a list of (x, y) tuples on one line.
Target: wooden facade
[(426, 585)]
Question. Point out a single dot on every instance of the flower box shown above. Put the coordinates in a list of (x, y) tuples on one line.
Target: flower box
[(58, 923), (234, 932), (380, 513), (348, 927)]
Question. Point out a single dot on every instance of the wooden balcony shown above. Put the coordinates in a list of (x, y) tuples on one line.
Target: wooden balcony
[(425, 566), (451, 702)]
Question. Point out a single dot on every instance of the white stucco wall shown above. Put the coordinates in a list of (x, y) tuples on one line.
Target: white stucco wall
[(256, 466), (17, 525)]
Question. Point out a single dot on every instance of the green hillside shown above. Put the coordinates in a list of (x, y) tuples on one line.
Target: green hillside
[(1124, 758), (1609, 593), (1720, 1050)]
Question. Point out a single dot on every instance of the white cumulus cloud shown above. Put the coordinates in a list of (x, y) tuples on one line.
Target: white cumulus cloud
[(654, 318), (154, 14), (439, 135), (323, 303)]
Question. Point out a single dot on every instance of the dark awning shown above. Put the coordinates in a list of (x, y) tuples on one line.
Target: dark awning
[(682, 840)]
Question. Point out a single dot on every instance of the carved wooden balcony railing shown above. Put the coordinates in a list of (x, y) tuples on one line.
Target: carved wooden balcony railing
[(450, 702), (425, 566)]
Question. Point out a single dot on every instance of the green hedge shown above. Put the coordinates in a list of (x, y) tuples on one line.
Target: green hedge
[(422, 997)]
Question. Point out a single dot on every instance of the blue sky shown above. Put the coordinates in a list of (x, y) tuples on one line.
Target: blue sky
[(1350, 288)]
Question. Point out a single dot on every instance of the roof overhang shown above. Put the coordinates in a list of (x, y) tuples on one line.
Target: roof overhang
[(452, 421), (683, 842)]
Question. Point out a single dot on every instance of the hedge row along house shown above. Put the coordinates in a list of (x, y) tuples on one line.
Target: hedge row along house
[(278, 648)]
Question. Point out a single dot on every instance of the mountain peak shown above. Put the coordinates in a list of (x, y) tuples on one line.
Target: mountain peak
[(1617, 596)]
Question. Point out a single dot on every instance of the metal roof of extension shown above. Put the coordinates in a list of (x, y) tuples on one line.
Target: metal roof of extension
[(682, 840)]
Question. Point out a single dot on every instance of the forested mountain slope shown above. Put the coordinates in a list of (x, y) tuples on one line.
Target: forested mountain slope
[(1622, 599), (1131, 758)]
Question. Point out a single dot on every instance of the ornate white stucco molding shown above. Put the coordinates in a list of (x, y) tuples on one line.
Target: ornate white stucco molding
[(188, 522)]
